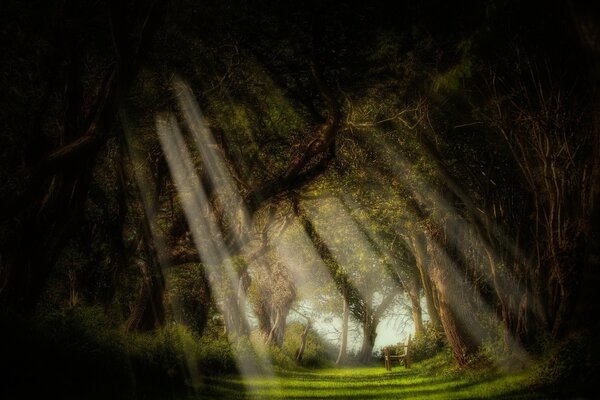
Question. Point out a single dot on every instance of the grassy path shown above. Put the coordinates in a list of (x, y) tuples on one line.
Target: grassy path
[(420, 382)]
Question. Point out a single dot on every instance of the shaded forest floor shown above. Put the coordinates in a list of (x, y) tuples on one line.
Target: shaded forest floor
[(430, 379)]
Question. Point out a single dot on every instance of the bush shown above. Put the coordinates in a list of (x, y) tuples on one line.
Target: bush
[(282, 359), (189, 293), (317, 354), (215, 356), (68, 354), (427, 345), (570, 367), (77, 353)]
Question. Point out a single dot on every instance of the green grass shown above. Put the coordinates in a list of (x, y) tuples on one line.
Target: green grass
[(431, 379)]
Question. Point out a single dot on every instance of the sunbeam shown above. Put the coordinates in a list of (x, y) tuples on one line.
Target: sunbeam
[(147, 197), (455, 230), (207, 238), (298, 254), (347, 243), (227, 195)]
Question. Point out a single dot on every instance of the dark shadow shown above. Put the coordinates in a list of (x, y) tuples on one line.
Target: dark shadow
[(50, 362)]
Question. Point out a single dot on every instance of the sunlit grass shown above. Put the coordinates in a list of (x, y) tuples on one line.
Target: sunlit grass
[(432, 379)]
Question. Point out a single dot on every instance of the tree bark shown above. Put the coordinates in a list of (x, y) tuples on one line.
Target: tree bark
[(344, 333), (458, 319), (369, 336), (236, 324), (277, 333), (415, 303), (303, 339), (370, 320), (419, 246), (148, 310)]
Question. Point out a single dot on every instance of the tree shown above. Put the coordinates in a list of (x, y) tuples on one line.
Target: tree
[(58, 168), (273, 295)]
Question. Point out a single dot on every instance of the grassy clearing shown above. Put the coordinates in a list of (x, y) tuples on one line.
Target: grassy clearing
[(431, 379)]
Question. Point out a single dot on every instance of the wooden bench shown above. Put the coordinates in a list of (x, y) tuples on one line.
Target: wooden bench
[(390, 355)]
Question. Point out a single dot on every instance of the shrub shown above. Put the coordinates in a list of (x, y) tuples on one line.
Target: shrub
[(569, 367), (427, 345), (189, 293), (317, 353), (282, 359), (78, 353), (215, 355)]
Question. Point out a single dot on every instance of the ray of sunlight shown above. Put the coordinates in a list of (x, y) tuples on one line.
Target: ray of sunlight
[(207, 238)]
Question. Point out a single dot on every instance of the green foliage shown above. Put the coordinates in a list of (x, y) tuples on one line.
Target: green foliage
[(452, 79), (80, 349), (189, 293), (283, 358), (214, 355), (568, 367), (85, 331), (492, 354), (76, 353), (317, 354), (427, 345)]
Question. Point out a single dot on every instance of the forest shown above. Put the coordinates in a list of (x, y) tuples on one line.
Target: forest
[(257, 199)]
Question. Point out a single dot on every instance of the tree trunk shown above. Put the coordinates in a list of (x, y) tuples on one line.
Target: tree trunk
[(369, 326), (263, 317), (272, 316), (369, 336), (236, 323), (278, 327), (148, 311), (344, 334), (419, 246), (457, 317), (505, 299), (415, 302), (29, 254), (303, 338)]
